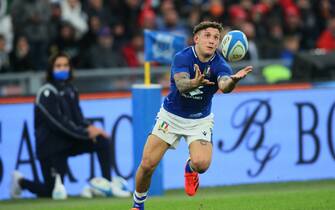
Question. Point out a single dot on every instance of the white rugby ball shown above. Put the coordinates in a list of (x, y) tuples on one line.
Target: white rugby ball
[(234, 45)]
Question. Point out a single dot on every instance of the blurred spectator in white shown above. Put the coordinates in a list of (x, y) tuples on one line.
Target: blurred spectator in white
[(72, 12), (6, 27), (102, 54), (4, 57), (21, 56), (133, 51), (326, 40), (31, 18)]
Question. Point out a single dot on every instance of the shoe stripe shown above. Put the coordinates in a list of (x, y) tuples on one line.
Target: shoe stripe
[(196, 188)]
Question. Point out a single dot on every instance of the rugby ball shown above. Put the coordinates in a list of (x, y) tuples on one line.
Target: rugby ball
[(234, 45)]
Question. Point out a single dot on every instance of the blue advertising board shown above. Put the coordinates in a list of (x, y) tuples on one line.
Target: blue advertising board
[(258, 137)]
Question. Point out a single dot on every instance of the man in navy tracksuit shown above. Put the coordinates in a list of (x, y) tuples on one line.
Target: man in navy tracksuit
[(61, 130)]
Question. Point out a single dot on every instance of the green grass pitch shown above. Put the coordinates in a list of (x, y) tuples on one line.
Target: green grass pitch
[(311, 195)]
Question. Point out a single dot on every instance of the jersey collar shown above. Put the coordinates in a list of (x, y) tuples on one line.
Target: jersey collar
[(195, 54)]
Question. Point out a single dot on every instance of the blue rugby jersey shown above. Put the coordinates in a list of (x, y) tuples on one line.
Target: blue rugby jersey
[(197, 103)]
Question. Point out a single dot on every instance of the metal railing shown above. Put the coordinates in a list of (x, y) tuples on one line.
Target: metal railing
[(113, 79)]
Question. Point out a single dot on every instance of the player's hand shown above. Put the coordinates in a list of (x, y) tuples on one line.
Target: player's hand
[(242, 73), (199, 78), (94, 132)]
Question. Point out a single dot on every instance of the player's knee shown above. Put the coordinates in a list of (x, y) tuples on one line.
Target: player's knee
[(200, 165), (102, 143), (148, 165)]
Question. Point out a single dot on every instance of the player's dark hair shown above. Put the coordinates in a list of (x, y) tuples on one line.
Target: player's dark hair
[(207, 24), (51, 63)]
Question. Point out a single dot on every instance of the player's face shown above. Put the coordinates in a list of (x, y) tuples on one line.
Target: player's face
[(61, 64), (208, 41)]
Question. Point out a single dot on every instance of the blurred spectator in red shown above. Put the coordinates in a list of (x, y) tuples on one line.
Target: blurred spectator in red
[(326, 40), (237, 16), (4, 57), (133, 52), (102, 54), (259, 14), (21, 56), (147, 19), (72, 12), (293, 24)]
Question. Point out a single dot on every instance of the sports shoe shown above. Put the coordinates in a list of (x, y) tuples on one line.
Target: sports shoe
[(137, 208), (15, 188), (59, 191), (191, 181)]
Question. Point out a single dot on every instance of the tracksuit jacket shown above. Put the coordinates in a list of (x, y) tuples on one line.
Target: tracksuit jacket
[(59, 122)]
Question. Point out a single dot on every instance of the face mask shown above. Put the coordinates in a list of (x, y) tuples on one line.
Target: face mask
[(61, 75)]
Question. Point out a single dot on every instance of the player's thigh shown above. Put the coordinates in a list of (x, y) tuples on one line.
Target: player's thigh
[(154, 151), (201, 152)]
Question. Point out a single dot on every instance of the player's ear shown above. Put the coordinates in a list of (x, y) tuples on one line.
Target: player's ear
[(196, 38)]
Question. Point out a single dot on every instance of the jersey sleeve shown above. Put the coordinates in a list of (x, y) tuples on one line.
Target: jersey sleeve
[(180, 63)]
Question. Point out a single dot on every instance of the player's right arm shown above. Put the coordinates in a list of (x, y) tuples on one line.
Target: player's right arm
[(185, 84)]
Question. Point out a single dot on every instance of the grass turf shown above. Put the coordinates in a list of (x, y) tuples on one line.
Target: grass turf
[(312, 195)]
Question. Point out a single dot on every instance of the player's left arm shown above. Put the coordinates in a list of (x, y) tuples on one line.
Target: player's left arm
[(185, 84), (227, 83)]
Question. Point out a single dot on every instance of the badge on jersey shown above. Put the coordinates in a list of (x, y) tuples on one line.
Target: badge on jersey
[(207, 72)]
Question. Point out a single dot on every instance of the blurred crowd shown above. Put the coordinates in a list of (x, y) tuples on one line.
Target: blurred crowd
[(109, 33)]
